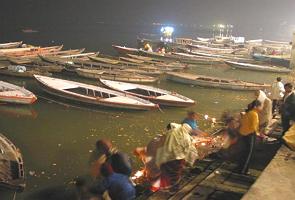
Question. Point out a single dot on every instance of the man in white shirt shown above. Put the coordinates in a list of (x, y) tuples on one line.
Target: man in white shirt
[(277, 93)]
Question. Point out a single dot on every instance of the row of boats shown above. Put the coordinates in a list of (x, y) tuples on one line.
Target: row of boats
[(115, 95), (120, 75)]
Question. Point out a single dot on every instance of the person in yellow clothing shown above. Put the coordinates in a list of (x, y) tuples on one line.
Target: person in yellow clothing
[(249, 126)]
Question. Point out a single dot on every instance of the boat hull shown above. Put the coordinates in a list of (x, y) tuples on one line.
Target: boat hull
[(18, 100), (12, 171), (217, 85), (257, 68), (180, 102), (97, 76)]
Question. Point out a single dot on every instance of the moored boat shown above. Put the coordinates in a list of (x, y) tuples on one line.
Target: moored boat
[(214, 82), (125, 50), (28, 73), (115, 75), (92, 95), (10, 45), (155, 95), (212, 49), (12, 175), (10, 93), (273, 60), (254, 67)]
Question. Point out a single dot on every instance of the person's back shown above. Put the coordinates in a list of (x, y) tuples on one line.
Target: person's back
[(121, 163), (265, 115), (119, 187), (277, 90), (249, 123)]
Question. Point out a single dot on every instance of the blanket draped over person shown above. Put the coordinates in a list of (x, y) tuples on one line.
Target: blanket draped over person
[(178, 145), (265, 115)]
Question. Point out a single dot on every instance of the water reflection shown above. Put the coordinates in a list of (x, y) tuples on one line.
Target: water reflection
[(18, 111)]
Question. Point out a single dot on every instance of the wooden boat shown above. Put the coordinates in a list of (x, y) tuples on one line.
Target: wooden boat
[(12, 175), (115, 75), (137, 57), (221, 56), (214, 82), (29, 51), (104, 60), (144, 71), (155, 95), (50, 68), (72, 64), (254, 67), (79, 55), (188, 59), (19, 61), (132, 60), (172, 65), (10, 45), (10, 93), (26, 74), (92, 95), (212, 49), (125, 50), (274, 60), (197, 59)]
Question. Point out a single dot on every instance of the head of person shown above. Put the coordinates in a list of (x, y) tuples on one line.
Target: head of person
[(260, 96), (104, 146), (254, 105), (288, 88), (192, 115), (279, 79)]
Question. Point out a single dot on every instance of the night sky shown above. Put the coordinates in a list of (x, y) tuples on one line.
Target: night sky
[(249, 16)]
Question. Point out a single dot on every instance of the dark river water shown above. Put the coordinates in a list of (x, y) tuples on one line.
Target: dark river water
[(56, 139)]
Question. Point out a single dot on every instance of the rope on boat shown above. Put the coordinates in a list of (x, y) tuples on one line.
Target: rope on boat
[(160, 109)]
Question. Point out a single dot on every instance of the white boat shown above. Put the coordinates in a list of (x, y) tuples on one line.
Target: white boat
[(10, 93), (92, 95), (155, 95), (254, 67)]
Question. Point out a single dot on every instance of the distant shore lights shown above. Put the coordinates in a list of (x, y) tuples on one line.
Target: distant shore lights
[(223, 30), (167, 32)]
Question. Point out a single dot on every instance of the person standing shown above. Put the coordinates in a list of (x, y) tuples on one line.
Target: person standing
[(265, 115), (277, 93), (288, 107), (249, 126)]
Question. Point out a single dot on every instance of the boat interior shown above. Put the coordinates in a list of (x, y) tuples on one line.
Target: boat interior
[(144, 92), (90, 93)]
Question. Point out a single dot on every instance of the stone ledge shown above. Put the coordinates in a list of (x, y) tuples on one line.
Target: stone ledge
[(277, 180)]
